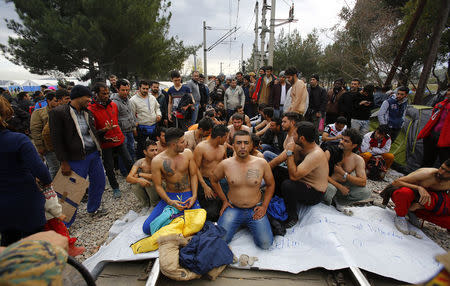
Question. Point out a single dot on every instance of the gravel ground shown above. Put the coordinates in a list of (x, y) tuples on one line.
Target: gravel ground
[(93, 232)]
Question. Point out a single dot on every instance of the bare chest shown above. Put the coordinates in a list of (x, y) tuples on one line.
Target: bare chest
[(249, 176), (171, 167)]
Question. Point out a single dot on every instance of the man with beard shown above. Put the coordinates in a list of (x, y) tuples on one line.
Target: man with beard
[(334, 95), (299, 93), (347, 178), (245, 204), (176, 166), (345, 102), (423, 194), (208, 154)]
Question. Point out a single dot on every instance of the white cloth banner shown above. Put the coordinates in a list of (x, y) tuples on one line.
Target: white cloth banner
[(324, 238)]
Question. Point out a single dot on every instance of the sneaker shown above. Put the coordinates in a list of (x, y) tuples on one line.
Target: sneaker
[(343, 209), (99, 213), (116, 193), (291, 222), (401, 224), (414, 220)]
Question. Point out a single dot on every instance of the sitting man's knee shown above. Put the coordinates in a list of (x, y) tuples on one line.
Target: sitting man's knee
[(265, 243)]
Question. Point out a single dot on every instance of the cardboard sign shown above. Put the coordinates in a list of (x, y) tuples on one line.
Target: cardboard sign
[(70, 191)]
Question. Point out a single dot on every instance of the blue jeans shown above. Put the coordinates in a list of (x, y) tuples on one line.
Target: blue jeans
[(92, 166), (162, 204), (267, 147), (52, 163), (233, 218), (269, 155), (195, 114), (129, 143)]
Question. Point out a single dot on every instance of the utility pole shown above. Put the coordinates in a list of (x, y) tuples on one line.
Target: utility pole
[(205, 72), (242, 56), (195, 61), (263, 32), (272, 33), (255, 44), (220, 67)]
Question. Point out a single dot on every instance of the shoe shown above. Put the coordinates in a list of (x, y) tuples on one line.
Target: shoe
[(99, 213), (414, 220), (116, 193), (343, 209), (401, 224), (291, 222)]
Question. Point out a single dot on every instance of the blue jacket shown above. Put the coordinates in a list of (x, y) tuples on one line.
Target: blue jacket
[(206, 250), (392, 112), (21, 201)]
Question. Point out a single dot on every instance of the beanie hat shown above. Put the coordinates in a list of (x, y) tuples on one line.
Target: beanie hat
[(80, 91), (316, 76)]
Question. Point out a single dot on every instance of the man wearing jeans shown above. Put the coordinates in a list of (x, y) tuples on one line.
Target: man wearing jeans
[(105, 113), (74, 139), (193, 86), (244, 203), (127, 120)]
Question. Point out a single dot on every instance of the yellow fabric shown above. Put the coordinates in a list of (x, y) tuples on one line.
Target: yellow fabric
[(189, 224)]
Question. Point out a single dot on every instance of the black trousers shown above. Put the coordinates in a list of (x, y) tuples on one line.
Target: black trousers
[(431, 151), (11, 235), (298, 192), (108, 162)]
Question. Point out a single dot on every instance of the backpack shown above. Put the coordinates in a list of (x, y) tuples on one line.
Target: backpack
[(376, 168)]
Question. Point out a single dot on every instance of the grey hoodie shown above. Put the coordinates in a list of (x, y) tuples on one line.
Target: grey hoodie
[(127, 120)]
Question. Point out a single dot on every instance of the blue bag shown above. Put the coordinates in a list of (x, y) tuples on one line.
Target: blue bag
[(147, 130)]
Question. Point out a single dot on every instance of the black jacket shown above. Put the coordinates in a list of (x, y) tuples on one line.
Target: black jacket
[(64, 128), (274, 99), (203, 94), (345, 103), (361, 112), (269, 137), (317, 99)]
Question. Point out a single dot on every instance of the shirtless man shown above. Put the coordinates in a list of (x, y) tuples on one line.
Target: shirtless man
[(161, 143), (423, 194), (177, 167), (207, 155), (344, 186), (307, 182), (240, 110), (256, 145), (288, 125), (237, 125), (140, 176), (193, 137), (245, 205)]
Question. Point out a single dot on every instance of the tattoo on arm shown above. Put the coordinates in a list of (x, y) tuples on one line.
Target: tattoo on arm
[(167, 168), (253, 173)]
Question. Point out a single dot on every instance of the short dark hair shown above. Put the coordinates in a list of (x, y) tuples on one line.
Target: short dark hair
[(262, 106), (269, 68), (237, 116), (143, 82), (307, 130), (122, 82), (49, 96), (36, 94), (316, 76), (205, 123), (383, 129), (238, 107), (60, 93), (152, 82), (369, 88), (341, 80), (43, 86), (98, 85), (149, 143), (219, 130), (255, 139), (292, 116), (277, 121), (354, 136), (447, 162), (113, 75), (247, 77), (239, 72), (341, 120), (21, 95), (403, 88), (173, 134), (356, 79), (210, 112), (291, 71), (268, 111), (160, 130), (174, 74), (241, 133)]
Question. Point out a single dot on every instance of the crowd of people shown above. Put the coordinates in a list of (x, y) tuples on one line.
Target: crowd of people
[(229, 145)]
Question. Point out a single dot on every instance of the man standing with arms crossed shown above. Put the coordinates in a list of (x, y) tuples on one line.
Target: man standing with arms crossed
[(176, 166), (245, 204), (208, 154), (299, 93)]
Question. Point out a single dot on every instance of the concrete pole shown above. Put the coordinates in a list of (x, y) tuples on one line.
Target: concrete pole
[(205, 72), (272, 33), (255, 44), (263, 32), (195, 61), (242, 57)]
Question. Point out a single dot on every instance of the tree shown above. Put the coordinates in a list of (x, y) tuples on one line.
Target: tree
[(125, 37)]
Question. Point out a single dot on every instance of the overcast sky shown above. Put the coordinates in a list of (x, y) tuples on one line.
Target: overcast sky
[(187, 24)]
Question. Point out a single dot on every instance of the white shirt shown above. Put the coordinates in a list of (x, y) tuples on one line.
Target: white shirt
[(283, 94), (145, 109)]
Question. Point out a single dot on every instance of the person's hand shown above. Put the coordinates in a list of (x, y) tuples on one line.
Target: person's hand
[(339, 136), (209, 193), (158, 118), (52, 237), (344, 190), (177, 204), (109, 125), (166, 122), (143, 182), (134, 132), (339, 170), (112, 139), (225, 205), (41, 151), (259, 212), (318, 114), (170, 117), (65, 168), (189, 202), (290, 146), (62, 217), (425, 198), (414, 207)]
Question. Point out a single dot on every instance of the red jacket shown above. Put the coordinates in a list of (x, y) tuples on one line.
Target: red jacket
[(444, 138), (109, 113)]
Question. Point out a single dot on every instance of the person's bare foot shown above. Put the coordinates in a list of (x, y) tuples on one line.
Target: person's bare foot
[(76, 250)]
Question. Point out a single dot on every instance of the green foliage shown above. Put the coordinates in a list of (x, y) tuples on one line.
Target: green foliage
[(124, 37)]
